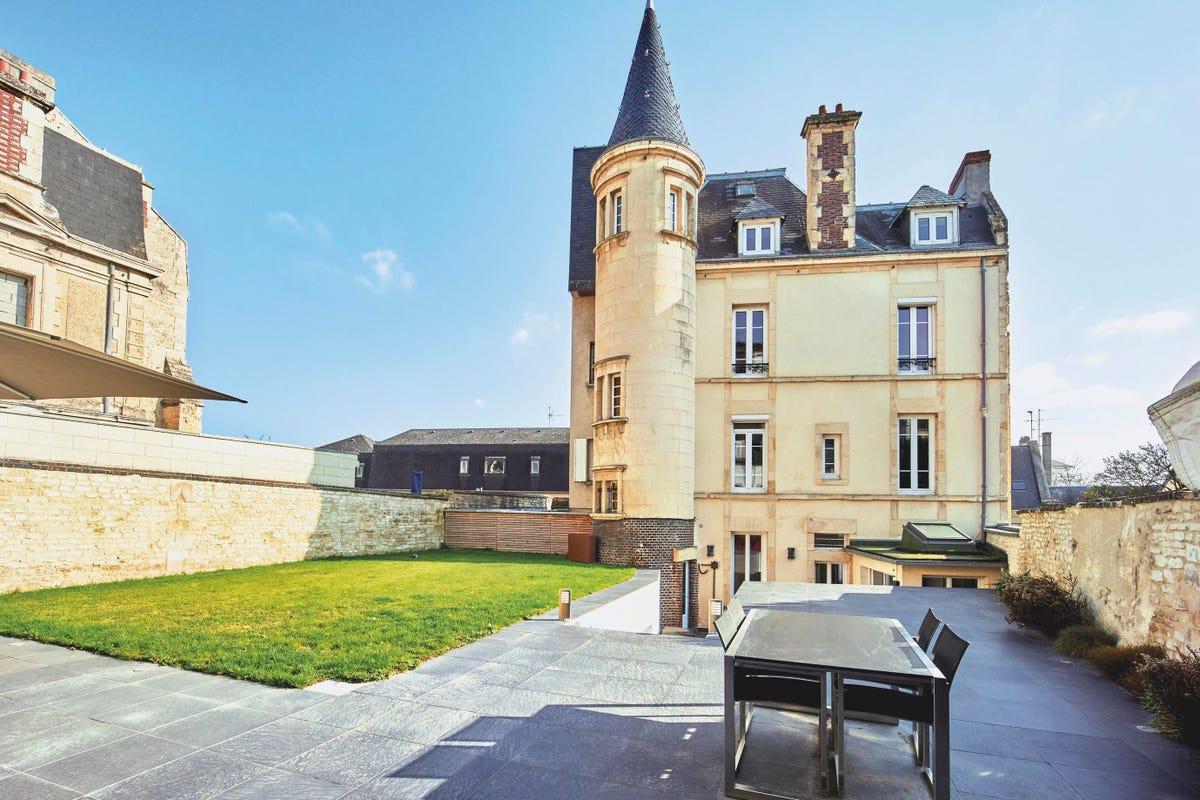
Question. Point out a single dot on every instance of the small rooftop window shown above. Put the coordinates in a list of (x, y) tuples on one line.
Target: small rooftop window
[(744, 189)]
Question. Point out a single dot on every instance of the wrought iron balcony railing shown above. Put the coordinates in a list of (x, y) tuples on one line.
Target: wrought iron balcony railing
[(916, 364), (750, 367)]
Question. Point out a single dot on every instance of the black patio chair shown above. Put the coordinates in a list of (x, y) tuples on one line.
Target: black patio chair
[(915, 706), (928, 628)]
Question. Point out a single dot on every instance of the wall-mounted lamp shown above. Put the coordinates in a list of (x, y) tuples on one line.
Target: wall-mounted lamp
[(791, 554), (564, 603), (708, 551)]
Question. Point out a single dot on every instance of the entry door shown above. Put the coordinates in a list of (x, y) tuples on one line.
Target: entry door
[(747, 552), (687, 592)]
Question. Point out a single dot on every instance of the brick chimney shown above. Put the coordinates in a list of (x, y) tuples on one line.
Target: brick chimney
[(973, 177), (830, 137)]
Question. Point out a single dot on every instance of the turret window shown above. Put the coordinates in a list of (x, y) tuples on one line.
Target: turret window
[(618, 203), (673, 222), (610, 215)]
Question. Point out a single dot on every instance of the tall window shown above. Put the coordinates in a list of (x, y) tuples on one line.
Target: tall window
[(914, 338), (610, 215), (747, 549), (831, 457), (14, 299), (614, 404), (673, 222), (591, 363), (464, 465), (749, 456), (618, 205), (535, 465), (915, 450), (750, 341), (688, 215), (610, 498)]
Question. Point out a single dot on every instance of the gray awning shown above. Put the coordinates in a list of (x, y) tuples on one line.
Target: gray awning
[(40, 366)]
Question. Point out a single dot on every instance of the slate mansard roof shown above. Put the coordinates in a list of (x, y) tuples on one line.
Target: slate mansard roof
[(720, 209), (648, 108), (358, 443), (98, 198), (496, 436)]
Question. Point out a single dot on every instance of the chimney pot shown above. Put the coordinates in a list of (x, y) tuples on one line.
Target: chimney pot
[(839, 108), (3, 66), (820, 110)]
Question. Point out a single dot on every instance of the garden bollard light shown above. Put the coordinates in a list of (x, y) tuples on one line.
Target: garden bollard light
[(564, 603)]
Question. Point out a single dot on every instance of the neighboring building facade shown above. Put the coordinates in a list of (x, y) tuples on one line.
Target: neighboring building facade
[(364, 447), (491, 459), (765, 372), (1176, 417), (83, 253)]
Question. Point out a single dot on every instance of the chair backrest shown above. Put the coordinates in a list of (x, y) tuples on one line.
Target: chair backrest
[(727, 627), (929, 626), (948, 651), (735, 610)]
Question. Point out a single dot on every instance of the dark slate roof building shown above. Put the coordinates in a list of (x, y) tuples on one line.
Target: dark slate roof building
[(493, 459), (648, 108), (358, 443)]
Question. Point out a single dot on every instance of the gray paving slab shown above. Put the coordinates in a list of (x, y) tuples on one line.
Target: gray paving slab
[(115, 697), (353, 758), (198, 776), (159, 711), (417, 722), (111, 763), (1093, 784), (27, 787), (281, 785), (282, 701), (75, 687), (277, 741), (9, 664), (214, 726), (348, 711)]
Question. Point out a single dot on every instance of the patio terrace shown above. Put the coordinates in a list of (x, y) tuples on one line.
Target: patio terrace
[(544, 710)]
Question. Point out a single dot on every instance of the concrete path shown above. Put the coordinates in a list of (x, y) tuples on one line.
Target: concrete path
[(542, 710)]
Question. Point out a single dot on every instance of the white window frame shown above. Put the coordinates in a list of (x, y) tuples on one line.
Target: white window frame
[(913, 424), (615, 398), (747, 429), (359, 469), (912, 306), (931, 217), (464, 465), (831, 468), (748, 364), (502, 461), (674, 196), (762, 554), (535, 465), (758, 225), (617, 203), (22, 298)]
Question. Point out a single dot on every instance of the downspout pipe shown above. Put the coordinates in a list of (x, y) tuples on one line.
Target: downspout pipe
[(106, 403), (983, 399)]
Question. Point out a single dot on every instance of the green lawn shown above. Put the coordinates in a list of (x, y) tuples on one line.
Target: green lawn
[(351, 619)]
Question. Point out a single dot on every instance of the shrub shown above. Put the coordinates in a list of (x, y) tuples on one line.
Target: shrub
[(1043, 603), (1173, 694), (1123, 664), (1079, 640)]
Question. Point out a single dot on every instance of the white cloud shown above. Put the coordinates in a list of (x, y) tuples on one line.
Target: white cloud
[(479, 402), (1040, 377), (1096, 359), (315, 227), (1112, 110), (1150, 322), (385, 272), (1040, 384), (532, 328)]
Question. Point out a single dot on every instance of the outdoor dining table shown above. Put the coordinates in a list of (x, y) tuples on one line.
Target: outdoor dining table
[(832, 648)]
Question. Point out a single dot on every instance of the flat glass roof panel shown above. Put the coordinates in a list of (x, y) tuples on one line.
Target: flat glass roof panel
[(941, 531)]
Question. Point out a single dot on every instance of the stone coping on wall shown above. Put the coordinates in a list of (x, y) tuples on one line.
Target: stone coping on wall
[(60, 466)]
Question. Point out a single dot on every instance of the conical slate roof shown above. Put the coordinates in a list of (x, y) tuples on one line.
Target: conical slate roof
[(648, 108)]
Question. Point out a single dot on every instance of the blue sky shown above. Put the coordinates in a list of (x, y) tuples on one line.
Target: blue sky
[(375, 195)]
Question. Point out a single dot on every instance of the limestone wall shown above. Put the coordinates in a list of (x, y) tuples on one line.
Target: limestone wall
[(46, 437), (66, 527), (1139, 565)]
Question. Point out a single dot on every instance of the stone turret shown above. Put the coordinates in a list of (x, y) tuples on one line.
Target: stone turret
[(646, 184)]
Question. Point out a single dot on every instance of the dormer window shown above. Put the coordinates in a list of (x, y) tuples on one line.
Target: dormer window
[(758, 237), (934, 227), (745, 189)]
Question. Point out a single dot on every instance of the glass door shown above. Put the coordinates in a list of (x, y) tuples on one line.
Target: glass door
[(747, 560)]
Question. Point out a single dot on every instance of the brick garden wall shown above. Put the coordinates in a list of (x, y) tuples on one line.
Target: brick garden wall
[(1138, 564), (63, 527)]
